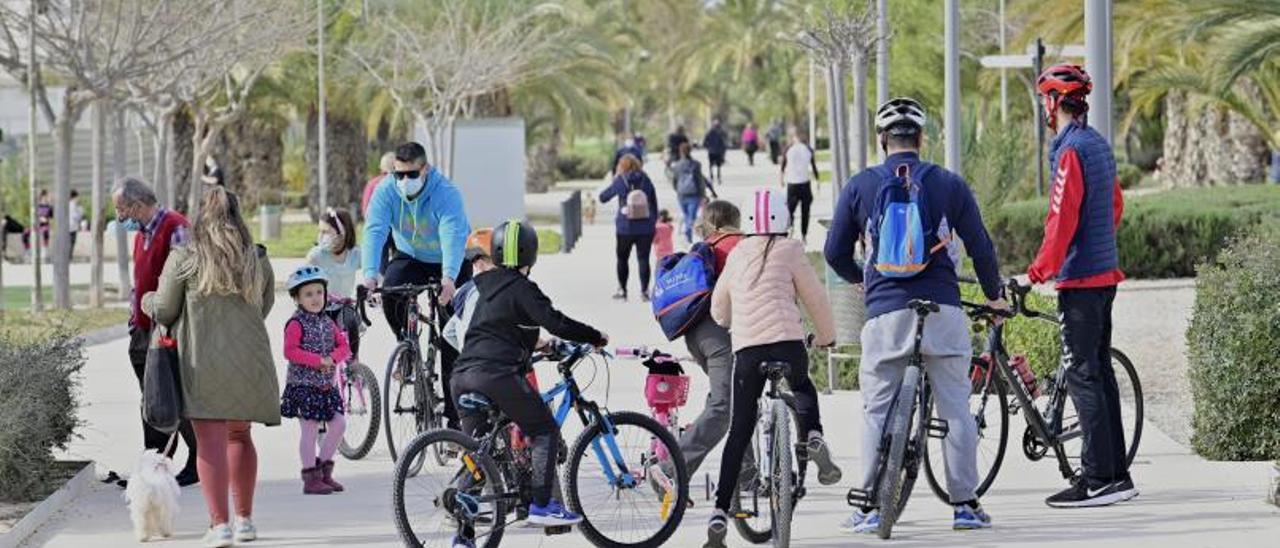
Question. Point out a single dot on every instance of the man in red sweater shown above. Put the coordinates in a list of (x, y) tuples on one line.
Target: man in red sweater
[(159, 231), (1079, 252)]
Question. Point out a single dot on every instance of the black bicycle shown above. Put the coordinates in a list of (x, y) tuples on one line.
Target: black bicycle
[(1054, 426), (772, 482), (614, 476), (412, 402)]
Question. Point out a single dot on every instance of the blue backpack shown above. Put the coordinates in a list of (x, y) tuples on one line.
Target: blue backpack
[(898, 232), (682, 289)]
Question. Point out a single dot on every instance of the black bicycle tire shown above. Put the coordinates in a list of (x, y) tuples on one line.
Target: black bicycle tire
[(375, 414), (890, 491), (745, 530), (485, 462), (1138, 411), (387, 394), (1002, 400), (782, 503), (581, 448)]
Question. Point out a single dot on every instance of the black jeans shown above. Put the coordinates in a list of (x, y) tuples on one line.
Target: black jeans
[(1091, 382), (800, 194), (642, 243), (139, 340), (748, 383), (404, 269), (512, 394)]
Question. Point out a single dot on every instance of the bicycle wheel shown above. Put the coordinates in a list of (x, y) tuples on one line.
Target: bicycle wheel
[(1131, 412), (640, 512), (430, 404), (892, 490), (364, 412), (989, 406), (401, 407), (781, 475), (427, 502)]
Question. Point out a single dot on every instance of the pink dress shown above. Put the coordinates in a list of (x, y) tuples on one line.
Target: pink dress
[(662, 242)]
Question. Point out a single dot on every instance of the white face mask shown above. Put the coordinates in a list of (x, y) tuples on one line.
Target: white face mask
[(409, 188), (327, 241)]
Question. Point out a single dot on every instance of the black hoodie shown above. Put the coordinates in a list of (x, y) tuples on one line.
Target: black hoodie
[(504, 327)]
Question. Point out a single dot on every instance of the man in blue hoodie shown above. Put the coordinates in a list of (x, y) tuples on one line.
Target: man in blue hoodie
[(888, 336), (421, 211)]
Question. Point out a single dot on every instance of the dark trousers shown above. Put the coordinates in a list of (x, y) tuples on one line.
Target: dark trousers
[(748, 383), (800, 194), (775, 150), (1091, 382), (139, 340), (511, 393), (642, 243), (403, 269)]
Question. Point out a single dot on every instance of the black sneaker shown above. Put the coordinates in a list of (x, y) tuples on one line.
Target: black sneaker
[(187, 477), (1081, 495)]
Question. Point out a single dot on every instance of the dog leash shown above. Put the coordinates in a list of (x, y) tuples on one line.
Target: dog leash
[(168, 447)]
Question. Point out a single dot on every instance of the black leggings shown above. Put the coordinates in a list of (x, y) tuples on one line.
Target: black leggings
[(642, 243), (802, 194), (524, 406), (748, 384)]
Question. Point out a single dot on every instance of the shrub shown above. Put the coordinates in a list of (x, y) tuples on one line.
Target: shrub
[(39, 383), (573, 165), (1038, 340), (1162, 235), (1233, 351), (1129, 175)]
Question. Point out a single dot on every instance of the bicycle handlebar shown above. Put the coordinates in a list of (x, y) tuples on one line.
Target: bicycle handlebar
[(565, 350)]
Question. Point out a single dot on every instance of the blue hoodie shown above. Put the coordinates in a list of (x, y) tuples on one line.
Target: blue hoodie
[(432, 228)]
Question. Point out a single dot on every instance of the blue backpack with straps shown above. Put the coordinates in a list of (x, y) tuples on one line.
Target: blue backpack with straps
[(903, 244), (682, 289)]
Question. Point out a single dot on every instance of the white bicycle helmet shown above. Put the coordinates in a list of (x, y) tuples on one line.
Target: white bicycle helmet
[(900, 116), (767, 213), (304, 275)]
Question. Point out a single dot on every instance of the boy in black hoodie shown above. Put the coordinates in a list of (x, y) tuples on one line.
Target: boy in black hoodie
[(502, 336)]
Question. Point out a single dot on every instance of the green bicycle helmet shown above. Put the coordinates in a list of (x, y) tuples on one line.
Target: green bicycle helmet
[(515, 244)]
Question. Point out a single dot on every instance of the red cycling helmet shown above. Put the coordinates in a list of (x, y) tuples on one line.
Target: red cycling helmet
[(1063, 82)]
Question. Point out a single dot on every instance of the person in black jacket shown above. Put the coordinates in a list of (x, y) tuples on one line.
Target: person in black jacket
[(716, 141), (500, 341)]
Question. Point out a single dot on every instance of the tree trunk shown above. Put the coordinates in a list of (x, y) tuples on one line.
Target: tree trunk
[(858, 120), (251, 156), (99, 128), (119, 166), (181, 140), (347, 161), (1209, 146), (64, 130), (160, 159), (540, 173)]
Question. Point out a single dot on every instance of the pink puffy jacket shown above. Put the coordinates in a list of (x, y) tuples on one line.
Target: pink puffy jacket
[(764, 310)]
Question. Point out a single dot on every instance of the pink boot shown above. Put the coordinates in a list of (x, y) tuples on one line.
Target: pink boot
[(313, 482), (327, 468)]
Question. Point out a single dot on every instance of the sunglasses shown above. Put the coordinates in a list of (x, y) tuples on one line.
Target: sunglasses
[(403, 174)]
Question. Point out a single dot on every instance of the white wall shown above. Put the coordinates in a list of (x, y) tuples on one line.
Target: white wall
[(489, 168)]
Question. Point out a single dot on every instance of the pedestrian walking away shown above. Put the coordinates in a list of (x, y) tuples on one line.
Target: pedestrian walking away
[(1079, 252), (756, 299), (76, 214), (213, 296), (422, 215), (750, 142), (946, 204), (692, 188), (796, 163), (774, 136), (157, 233), (716, 141), (628, 147), (635, 224)]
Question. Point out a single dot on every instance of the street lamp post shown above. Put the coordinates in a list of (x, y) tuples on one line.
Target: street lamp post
[(322, 122), (37, 243), (882, 57), (951, 117), (1097, 40)]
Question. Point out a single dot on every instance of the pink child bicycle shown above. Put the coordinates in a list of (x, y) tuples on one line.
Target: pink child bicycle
[(666, 389)]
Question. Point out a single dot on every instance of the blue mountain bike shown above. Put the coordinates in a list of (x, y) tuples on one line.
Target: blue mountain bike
[(628, 495)]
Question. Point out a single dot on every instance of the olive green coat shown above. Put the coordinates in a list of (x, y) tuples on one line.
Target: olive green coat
[(226, 362)]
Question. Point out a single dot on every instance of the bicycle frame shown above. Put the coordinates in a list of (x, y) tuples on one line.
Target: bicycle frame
[(571, 399)]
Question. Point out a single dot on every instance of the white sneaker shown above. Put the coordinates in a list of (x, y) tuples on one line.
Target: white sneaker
[(245, 531), (218, 536)]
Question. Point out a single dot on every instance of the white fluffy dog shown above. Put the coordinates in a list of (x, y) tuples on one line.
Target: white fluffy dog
[(152, 495)]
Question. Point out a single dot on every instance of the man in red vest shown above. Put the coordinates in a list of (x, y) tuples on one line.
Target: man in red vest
[(159, 230)]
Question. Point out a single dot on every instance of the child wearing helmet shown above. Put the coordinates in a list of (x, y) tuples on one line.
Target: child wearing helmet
[(313, 345), (508, 316), (755, 297)]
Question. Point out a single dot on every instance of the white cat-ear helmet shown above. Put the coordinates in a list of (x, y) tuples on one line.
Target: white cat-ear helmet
[(767, 213)]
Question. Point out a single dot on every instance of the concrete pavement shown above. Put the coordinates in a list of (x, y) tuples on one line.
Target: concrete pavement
[(1185, 501)]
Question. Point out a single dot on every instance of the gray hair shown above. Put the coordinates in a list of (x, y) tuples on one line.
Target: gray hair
[(388, 163), (134, 191)]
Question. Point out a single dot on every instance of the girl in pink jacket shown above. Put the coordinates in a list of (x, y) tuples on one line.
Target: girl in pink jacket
[(755, 297)]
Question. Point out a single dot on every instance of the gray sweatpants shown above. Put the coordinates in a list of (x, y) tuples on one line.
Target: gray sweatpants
[(710, 346), (887, 342)]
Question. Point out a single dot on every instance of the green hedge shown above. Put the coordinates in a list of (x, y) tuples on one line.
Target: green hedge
[(573, 165), (39, 383), (1162, 235), (1233, 351)]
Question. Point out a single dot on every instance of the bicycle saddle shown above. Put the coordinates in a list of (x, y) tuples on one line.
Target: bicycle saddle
[(775, 369), (474, 401), (922, 307)]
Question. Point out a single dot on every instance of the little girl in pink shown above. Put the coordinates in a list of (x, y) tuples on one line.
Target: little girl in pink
[(314, 345)]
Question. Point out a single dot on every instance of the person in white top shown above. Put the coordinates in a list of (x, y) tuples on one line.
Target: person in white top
[(336, 253), (796, 164)]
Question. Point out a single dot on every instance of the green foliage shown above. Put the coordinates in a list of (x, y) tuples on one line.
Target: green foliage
[(574, 165), (997, 166), (1161, 235), (296, 239), (1234, 353), (1038, 340), (39, 382), (1129, 175), (549, 241)]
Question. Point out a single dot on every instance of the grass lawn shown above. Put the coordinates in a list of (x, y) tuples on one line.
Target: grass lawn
[(22, 325), (549, 241), (296, 239), (19, 298)]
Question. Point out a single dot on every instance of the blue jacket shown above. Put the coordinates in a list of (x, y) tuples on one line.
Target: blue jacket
[(949, 199), (433, 228), (1093, 248), (619, 189)]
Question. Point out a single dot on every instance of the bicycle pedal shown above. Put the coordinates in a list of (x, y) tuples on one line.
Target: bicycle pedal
[(859, 497), (802, 451), (937, 428), (558, 530)]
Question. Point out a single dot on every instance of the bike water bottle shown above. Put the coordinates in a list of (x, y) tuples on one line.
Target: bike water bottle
[(1020, 365)]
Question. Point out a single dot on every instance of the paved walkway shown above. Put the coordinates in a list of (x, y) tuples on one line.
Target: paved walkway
[(1186, 500)]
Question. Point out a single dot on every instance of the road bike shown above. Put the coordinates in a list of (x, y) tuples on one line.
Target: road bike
[(613, 478)]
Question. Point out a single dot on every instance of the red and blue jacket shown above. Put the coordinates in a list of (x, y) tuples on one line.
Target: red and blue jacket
[(1079, 248)]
